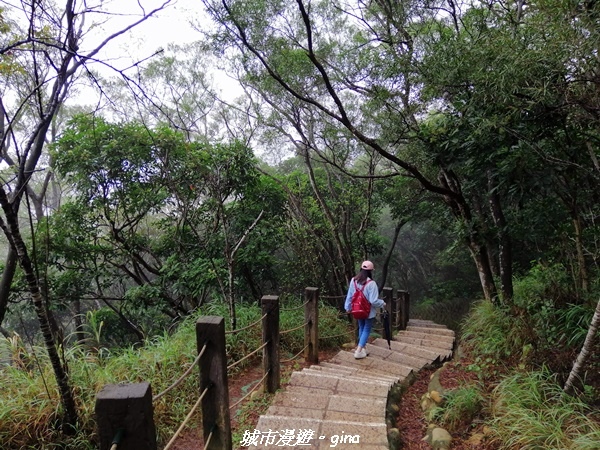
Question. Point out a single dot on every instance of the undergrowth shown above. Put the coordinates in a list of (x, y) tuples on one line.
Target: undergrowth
[(30, 406)]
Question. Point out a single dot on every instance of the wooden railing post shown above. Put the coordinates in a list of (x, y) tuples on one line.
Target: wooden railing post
[(397, 316), (270, 335), (386, 294), (210, 331), (311, 330), (404, 299), (124, 416)]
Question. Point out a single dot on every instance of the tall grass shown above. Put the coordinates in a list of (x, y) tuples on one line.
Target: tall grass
[(29, 400), (491, 332), (460, 407), (532, 412)]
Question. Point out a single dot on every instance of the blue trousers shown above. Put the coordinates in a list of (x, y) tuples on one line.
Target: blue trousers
[(364, 330)]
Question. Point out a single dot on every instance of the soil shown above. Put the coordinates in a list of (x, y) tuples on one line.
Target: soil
[(411, 421), (413, 425)]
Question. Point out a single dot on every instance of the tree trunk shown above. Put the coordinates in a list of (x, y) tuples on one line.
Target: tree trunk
[(504, 243), (11, 229), (6, 281), (388, 257), (583, 281), (479, 253), (585, 352)]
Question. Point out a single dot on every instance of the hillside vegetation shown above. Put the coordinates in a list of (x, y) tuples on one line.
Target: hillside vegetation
[(454, 144)]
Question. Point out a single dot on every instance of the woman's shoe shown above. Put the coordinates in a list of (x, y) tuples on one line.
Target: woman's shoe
[(360, 354)]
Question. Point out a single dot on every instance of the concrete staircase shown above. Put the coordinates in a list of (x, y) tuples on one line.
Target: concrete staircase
[(347, 403)]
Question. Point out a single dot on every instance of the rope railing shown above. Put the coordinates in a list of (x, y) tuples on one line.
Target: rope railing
[(247, 326), (293, 329), (210, 435), (214, 371), (186, 420), (117, 439), (295, 356), (182, 377), (294, 308), (250, 391), (232, 365)]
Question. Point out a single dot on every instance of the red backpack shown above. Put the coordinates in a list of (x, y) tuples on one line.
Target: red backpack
[(360, 307)]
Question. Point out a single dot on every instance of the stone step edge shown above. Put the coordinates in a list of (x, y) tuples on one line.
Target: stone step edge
[(351, 371), (358, 377), (353, 375), (351, 378), (433, 331), (419, 350), (373, 372), (297, 389), (425, 343), (326, 421), (413, 361), (427, 336), (425, 323), (347, 359)]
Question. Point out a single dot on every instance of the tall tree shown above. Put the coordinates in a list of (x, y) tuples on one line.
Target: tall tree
[(43, 58), (354, 70)]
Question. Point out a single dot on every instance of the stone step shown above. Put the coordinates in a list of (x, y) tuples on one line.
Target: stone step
[(432, 356), (338, 407), (341, 403), (425, 323), (435, 341), (431, 330), (356, 371), (390, 355), (273, 431), (338, 386), (358, 375), (440, 348), (373, 365)]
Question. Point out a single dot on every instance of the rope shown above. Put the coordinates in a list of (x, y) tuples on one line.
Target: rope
[(232, 365), (295, 356), (251, 390), (295, 307), (186, 420), (293, 329), (330, 297), (117, 439), (207, 443), (182, 377), (247, 326)]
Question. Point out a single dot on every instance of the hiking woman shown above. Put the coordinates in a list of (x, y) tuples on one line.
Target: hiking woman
[(363, 280)]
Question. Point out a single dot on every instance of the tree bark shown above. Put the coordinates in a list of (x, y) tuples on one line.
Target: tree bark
[(6, 281), (584, 354), (504, 243), (388, 256), (11, 229)]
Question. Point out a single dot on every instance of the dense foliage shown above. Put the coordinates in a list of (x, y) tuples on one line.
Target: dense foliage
[(455, 144)]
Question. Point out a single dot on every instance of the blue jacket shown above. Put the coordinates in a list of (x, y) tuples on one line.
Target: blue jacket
[(371, 291)]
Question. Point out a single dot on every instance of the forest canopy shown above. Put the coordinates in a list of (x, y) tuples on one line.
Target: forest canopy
[(454, 144)]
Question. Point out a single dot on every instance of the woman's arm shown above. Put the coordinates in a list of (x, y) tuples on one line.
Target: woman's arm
[(349, 296), (372, 294)]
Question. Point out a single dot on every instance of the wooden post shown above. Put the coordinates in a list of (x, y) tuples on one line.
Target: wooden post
[(404, 299), (210, 331), (124, 416), (386, 294), (270, 335), (311, 330), (397, 317)]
